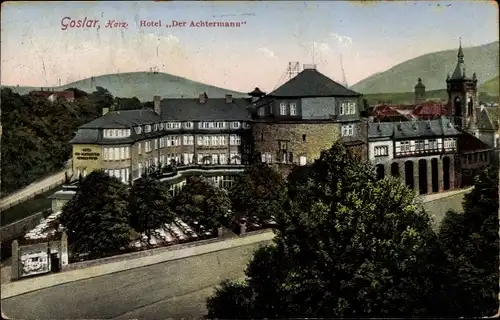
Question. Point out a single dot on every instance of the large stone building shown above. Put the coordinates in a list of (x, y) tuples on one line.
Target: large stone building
[(291, 125), (177, 131), (304, 116)]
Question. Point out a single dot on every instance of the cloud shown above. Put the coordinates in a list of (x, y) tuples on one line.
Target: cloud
[(266, 52), (344, 40), (321, 48)]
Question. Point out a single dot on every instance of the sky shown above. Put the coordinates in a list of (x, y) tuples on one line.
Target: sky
[(368, 38)]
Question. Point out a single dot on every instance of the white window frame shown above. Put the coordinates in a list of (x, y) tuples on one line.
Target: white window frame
[(293, 109), (214, 141), (222, 158), (206, 140), (347, 130), (381, 151), (282, 109), (222, 140), (235, 125), (147, 128), (188, 125)]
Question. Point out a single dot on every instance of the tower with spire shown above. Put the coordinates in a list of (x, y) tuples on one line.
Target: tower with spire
[(463, 99), (419, 91)]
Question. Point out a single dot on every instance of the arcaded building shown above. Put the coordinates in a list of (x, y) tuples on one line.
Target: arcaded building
[(304, 116)]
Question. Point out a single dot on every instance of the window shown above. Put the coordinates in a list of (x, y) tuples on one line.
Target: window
[(283, 109), (173, 141), (293, 109), (156, 144), (261, 111), (138, 130), (147, 128), (173, 125), (161, 125), (235, 125), (221, 125), (449, 143), (347, 108), (155, 127), (122, 153), (405, 146), (162, 142), (433, 144), (347, 130), (117, 153), (139, 151), (147, 146), (188, 140), (215, 140), (234, 140), (302, 160), (235, 158), (419, 145), (381, 151), (267, 157), (199, 140), (222, 140), (188, 158), (188, 125), (206, 140), (215, 158), (105, 154), (222, 158)]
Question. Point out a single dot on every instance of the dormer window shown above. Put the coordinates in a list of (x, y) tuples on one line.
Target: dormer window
[(138, 130), (293, 109), (188, 125), (155, 127), (161, 125), (235, 125), (147, 128)]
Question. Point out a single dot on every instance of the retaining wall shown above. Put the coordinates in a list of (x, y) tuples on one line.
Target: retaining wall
[(233, 253)]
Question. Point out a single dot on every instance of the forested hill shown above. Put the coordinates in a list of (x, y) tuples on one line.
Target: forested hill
[(36, 132)]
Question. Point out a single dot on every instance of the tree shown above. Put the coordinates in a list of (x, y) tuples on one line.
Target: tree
[(128, 103), (150, 205), (260, 191), (201, 201), (471, 243), (97, 217), (349, 246)]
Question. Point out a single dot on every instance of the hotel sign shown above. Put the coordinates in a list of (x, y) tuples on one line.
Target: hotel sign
[(87, 154)]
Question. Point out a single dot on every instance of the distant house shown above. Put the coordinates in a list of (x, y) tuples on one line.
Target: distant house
[(53, 95)]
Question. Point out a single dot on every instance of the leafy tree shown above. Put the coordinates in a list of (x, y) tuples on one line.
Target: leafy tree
[(201, 201), (350, 246), (128, 103), (260, 190), (150, 205), (97, 217), (35, 135), (102, 98), (78, 93), (471, 242)]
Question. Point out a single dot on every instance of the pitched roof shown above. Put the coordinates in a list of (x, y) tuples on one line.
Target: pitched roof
[(214, 109), (412, 129), (123, 119), (430, 108), (467, 142), (312, 83), (488, 118)]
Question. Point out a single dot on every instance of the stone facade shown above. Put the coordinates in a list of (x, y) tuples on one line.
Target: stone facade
[(304, 139)]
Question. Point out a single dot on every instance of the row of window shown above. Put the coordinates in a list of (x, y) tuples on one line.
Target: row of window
[(188, 140), (347, 108), (186, 125), (284, 157), (381, 151), (288, 110), (122, 174), (116, 153), (425, 145), (116, 133)]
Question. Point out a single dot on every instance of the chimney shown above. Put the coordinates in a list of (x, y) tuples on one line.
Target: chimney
[(203, 98), (229, 98), (156, 102), (104, 111)]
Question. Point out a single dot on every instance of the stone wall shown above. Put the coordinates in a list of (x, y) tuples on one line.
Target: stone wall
[(305, 139), (438, 204), (19, 228)]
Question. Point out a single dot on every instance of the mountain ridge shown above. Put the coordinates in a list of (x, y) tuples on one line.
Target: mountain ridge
[(432, 68), (143, 85)]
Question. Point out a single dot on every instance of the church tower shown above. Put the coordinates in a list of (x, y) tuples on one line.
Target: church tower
[(419, 92), (463, 98)]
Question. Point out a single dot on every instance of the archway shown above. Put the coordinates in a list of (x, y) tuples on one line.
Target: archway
[(410, 181), (380, 170), (422, 176), (435, 175), (446, 173), (395, 169)]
